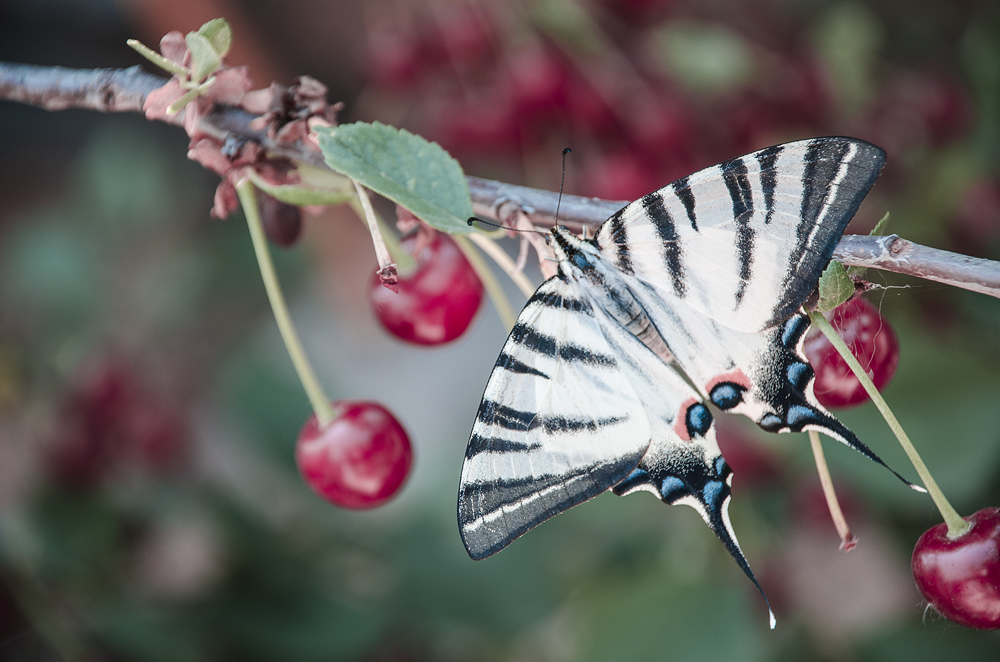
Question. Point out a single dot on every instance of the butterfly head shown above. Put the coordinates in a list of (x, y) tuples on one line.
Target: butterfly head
[(572, 252)]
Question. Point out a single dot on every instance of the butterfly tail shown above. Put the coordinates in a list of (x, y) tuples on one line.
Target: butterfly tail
[(716, 515), (803, 417), (703, 485)]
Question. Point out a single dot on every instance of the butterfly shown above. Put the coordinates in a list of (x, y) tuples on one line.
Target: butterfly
[(689, 296)]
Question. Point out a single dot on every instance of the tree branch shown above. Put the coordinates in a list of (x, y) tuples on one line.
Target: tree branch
[(125, 90), (59, 88)]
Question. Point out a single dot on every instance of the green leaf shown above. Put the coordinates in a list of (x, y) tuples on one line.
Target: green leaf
[(219, 35), (835, 287), (302, 196), (204, 58), (705, 57), (848, 38), (412, 172), (880, 227), (570, 24)]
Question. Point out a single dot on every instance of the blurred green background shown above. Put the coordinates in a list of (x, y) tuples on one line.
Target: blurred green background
[(190, 536)]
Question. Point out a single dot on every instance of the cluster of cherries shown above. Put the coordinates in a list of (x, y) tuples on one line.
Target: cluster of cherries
[(108, 420), (487, 84), (959, 577), (362, 457)]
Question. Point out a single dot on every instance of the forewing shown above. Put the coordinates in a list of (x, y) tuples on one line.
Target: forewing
[(559, 424), (744, 242)]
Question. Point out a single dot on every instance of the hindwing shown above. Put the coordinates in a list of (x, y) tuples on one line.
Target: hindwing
[(558, 424)]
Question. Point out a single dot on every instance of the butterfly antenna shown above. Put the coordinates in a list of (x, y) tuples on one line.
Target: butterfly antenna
[(562, 181)]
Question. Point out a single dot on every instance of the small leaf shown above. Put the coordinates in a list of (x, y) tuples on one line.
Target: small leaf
[(880, 227), (705, 57), (302, 196), (412, 172), (219, 34), (204, 58), (835, 287)]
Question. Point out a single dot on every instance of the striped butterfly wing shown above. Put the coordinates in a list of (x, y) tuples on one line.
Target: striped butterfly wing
[(723, 260), (559, 423), (577, 405), (744, 242)]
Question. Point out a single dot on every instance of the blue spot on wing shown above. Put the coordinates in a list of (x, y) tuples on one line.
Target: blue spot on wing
[(726, 395)]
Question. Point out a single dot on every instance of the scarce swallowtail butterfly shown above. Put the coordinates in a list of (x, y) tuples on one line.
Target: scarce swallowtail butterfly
[(687, 297)]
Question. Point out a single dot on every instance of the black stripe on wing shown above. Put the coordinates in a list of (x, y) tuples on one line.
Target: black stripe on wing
[(549, 346), (481, 444), (508, 362), (508, 418), (486, 530), (619, 236), (684, 193), (816, 241), (737, 180), (766, 158), (656, 208)]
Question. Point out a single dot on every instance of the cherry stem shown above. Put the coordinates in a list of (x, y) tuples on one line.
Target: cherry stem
[(504, 261), (847, 539), (956, 525), (488, 279), (405, 262), (314, 391), (381, 252)]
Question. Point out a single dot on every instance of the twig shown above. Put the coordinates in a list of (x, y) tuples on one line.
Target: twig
[(123, 90), (59, 88), (847, 539), (503, 261), (893, 253)]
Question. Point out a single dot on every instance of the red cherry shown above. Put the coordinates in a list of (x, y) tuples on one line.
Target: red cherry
[(960, 577), (485, 124), (661, 126), (753, 464), (282, 222), (620, 175), (156, 435), (463, 32), (360, 460), (87, 437), (436, 302), (393, 56), (872, 342), (976, 223), (537, 81)]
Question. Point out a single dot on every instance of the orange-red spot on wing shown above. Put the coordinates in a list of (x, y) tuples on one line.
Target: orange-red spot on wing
[(680, 421)]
